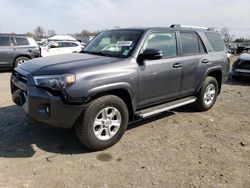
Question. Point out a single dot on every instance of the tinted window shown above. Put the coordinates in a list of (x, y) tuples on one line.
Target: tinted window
[(4, 41), (64, 44), (166, 42), (21, 41), (74, 44), (202, 47), (215, 41), (190, 43)]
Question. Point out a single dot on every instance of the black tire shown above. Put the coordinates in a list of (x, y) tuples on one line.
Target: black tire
[(85, 124), (20, 59), (201, 104)]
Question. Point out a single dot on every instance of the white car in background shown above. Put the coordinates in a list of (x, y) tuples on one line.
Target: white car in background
[(60, 47)]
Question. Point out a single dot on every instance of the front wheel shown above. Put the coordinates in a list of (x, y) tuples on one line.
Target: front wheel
[(103, 122), (207, 94)]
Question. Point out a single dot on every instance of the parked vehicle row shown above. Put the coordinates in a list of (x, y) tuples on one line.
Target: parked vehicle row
[(16, 49)]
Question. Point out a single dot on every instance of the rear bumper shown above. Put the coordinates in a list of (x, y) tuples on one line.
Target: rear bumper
[(42, 107)]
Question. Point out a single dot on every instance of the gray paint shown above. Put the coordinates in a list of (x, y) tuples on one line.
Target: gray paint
[(148, 83)]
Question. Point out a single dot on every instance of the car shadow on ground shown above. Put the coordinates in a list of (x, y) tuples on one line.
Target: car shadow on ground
[(18, 139), (241, 82)]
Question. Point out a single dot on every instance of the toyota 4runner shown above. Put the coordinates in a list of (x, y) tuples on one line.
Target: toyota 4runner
[(122, 75)]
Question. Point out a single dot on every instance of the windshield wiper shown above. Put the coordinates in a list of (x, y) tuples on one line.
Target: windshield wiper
[(94, 53)]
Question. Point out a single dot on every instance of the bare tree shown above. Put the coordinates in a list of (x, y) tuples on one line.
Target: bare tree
[(51, 33), (225, 33), (39, 31)]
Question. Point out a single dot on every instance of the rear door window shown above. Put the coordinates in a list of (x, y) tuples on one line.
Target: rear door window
[(4, 41), (21, 41), (74, 44), (64, 44), (190, 43), (215, 41)]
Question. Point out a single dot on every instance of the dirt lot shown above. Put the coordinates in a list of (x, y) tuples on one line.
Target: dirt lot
[(183, 148)]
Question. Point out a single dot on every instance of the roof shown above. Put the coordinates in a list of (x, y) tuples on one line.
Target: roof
[(191, 28), (12, 34), (62, 37)]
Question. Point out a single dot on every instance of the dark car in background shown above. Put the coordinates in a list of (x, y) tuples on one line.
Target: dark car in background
[(16, 49), (241, 67)]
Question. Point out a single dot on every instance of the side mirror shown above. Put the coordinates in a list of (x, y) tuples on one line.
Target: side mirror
[(152, 54), (54, 45)]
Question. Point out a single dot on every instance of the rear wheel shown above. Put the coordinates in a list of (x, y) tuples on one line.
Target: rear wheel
[(103, 122), (207, 94), (20, 60)]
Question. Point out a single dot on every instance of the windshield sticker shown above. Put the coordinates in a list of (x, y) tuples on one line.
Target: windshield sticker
[(124, 43), (126, 52)]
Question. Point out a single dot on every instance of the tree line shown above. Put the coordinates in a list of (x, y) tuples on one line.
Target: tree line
[(40, 33)]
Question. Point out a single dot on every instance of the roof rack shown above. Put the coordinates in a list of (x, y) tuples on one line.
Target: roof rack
[(189, 27), (12, 34)]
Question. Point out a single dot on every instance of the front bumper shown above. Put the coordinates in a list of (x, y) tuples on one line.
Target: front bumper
[(42, 107), (241, 73)]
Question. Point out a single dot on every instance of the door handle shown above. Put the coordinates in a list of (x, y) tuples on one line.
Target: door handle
[(205, 61), (177, 65)]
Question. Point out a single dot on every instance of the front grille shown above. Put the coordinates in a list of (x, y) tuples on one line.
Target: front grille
[(244, 65)]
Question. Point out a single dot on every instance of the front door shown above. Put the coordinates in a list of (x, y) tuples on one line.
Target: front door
[(160, 80)]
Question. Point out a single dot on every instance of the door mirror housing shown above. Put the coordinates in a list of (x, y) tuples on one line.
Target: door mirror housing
[(152, 54)]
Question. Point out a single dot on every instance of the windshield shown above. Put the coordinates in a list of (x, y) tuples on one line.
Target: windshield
[(116, 43)]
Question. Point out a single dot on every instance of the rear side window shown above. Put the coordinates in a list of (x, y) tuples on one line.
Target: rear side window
[(4, 41), (21, 41), (64, 44), (166, 42), (74, 44), (191, 44), (215, 41)]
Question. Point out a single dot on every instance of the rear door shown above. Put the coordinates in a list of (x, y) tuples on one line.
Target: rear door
[(55, 49), (194, 59), (66, 47)]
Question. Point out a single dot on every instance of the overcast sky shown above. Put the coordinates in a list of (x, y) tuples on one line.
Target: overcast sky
[(71, 16)]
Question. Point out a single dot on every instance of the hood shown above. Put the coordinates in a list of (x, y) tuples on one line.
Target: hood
[(67, 63)]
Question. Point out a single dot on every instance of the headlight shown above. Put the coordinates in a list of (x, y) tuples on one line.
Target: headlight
[(55, 82)]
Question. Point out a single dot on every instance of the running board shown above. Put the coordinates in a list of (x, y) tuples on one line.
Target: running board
[(165, 107)]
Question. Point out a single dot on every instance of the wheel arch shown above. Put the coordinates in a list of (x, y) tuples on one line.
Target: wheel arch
[(122, 92), (217, 74), (23, 55)]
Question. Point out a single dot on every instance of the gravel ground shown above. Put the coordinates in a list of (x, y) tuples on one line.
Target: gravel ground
[(182, 148)]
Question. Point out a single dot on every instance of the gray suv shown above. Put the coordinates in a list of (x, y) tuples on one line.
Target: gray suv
[(16, 49), (122, 75)]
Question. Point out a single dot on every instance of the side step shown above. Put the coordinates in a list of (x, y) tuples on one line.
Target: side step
[(165, 107)]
